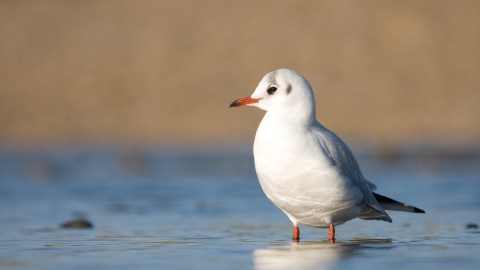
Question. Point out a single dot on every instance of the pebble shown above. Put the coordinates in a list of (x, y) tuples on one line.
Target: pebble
[(77, 224), (473, 226)]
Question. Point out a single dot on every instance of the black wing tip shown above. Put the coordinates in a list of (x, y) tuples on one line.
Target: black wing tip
[(384, 199), (418, 210)]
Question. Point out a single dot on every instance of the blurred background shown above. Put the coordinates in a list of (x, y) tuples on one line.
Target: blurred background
[(117, 112), (164, 72)]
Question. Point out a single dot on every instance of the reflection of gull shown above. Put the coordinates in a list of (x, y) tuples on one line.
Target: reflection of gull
[(308, 255), (305, 169)]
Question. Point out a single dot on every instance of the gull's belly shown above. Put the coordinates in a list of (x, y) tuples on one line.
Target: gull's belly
[(308, 190)]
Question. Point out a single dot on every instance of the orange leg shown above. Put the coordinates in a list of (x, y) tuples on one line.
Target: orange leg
[(296, 233), (331, 234)]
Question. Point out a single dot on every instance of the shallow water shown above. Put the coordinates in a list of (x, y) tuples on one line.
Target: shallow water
[(205, 210)]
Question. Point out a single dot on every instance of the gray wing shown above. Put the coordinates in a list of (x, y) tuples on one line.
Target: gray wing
[(371, 185), (343, 158)]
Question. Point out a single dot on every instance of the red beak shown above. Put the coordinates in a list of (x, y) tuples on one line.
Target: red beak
[(244, 101)]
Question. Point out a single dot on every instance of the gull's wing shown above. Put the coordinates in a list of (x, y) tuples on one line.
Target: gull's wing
[(391, 204), (343, 158), (371, 185)]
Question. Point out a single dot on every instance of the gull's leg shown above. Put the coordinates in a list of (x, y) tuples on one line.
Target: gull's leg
[(331, 234), (296, 233)]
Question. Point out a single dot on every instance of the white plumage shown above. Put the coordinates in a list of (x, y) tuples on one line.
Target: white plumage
[(305, 169)]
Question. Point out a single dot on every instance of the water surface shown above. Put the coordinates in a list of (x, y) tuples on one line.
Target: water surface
[(206, 210)]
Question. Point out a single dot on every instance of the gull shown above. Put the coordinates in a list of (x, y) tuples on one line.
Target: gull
[(305, 169)]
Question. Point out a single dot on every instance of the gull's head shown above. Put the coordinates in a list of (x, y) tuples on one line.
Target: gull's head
[(281, 89)]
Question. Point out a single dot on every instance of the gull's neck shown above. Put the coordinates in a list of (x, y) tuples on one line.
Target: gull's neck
[(303, 114)]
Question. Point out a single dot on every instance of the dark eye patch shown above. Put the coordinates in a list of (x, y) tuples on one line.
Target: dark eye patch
[(271, 90)]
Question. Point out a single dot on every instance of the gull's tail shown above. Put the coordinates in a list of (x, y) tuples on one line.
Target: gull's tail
[(391, 204)]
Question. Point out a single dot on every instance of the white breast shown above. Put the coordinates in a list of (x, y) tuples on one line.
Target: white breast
[(299, 177)]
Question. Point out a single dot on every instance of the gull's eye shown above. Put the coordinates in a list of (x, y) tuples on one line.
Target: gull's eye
[(271, 90)]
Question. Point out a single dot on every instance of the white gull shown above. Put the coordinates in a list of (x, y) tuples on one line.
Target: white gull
[(305, 169)]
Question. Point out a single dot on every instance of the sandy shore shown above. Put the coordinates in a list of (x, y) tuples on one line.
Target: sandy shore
[(166, 71)]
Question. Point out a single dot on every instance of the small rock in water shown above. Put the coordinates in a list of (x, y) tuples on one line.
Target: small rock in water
[(473, 226), (77, 224)]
